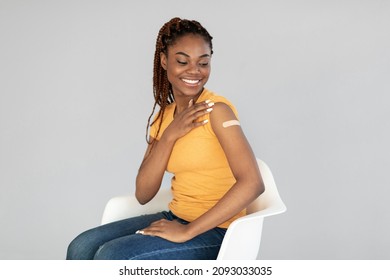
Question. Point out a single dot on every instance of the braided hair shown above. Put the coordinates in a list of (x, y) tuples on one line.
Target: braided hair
[(169, 33)]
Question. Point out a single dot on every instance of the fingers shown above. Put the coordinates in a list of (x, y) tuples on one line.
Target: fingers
[(154, 229), (155, 226), (199, 109), (159, 222), (204, 105), (170, 230)]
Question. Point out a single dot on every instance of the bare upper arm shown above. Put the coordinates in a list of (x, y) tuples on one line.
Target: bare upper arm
[(233, 141)]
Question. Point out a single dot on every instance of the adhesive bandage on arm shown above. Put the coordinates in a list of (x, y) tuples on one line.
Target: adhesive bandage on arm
[(230, 123)]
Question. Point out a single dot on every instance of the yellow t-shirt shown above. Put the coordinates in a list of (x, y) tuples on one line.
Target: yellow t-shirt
[(201, 171)]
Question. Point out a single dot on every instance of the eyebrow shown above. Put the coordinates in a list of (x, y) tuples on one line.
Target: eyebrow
[(182, 53)]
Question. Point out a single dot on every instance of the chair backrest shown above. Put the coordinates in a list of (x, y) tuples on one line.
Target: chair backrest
[(270, 198), (243, 237)]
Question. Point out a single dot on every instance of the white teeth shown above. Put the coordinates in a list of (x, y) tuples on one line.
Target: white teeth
[(191, 81)]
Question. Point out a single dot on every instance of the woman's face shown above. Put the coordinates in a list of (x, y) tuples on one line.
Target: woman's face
[(187, 65)]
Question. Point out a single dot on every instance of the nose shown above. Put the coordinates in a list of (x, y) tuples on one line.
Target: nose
[(193, 68)]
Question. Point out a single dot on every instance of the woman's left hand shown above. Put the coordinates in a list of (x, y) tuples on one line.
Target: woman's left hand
[(169, 230)]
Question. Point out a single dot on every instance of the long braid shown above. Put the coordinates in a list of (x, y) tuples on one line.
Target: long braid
[(162, 89)]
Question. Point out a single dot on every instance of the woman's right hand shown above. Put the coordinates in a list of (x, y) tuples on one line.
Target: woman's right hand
[(187, 120)]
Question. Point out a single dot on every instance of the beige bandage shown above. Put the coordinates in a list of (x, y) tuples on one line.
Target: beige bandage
[(230, 123)]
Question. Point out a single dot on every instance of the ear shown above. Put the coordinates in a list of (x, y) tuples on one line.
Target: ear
[(163, 59)]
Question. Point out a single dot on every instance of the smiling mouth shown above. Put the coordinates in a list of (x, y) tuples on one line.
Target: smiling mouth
[(191, 82)]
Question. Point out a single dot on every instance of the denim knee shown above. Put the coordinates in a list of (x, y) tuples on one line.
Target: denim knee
[(80, 248)]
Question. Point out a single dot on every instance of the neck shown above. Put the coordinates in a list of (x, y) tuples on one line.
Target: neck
[(183, 101)]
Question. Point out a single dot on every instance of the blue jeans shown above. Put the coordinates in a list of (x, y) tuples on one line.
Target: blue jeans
[(118, 241)]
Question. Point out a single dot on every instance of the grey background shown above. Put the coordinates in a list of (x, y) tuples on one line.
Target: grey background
[(310, 80)]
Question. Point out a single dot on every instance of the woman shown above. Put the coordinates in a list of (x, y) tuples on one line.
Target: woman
[(196, 136)]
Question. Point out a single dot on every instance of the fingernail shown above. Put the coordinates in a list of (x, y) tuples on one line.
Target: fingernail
[(209, 109), (139, 232), (210, 104), (205, 121)]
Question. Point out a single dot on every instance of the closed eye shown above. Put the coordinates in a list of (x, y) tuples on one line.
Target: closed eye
[(181, 62)]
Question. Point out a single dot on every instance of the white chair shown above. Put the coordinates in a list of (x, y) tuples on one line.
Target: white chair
[(242, 239)]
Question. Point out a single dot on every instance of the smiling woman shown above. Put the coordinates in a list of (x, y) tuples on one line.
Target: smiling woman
[(216, 175)]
